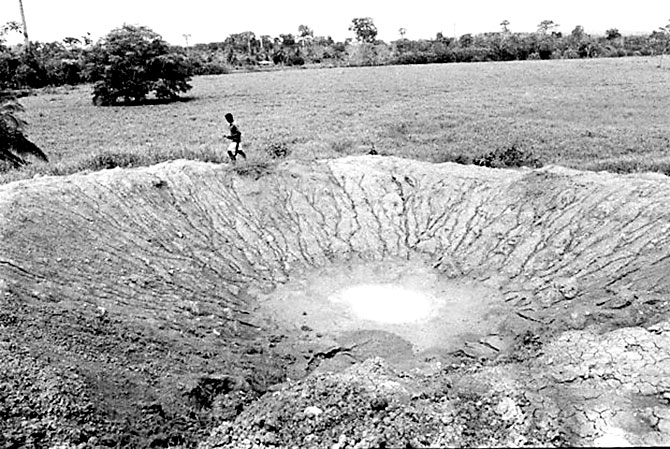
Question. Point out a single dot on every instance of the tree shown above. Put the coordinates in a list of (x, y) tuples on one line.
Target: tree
[(660, 40), (365, 29), (505, 26), (133, 61), (13, 143), (546, 25), (402, 32), (305, 35), (612, 34), (305, 31), (466, 40), (578, 33), (287, 40)]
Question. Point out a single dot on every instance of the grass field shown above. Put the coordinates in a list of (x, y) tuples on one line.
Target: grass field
[(590, 114)]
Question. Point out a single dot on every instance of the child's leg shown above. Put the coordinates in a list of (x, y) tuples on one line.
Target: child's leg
[(232, 151), (238, 150)]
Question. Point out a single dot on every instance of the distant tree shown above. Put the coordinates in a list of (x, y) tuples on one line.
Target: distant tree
[(240, 43), (365, 29), (612, 34), (266, 42), (14, 145), (287, 40), (305, 31), (71, 42), (87, 39), (9, 27), (133, 61), (402, 32), (660, 40), (546, 42), (466, 40), (305, 34), (546, 25), (9, 62), (578, 33), (505, 26)]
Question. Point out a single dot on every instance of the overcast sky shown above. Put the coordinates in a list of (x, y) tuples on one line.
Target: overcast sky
[(213, 20)]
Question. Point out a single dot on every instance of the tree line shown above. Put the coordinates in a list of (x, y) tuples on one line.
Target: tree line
[(75, 60)]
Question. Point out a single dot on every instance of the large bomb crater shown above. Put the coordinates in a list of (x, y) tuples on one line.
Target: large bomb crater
[(503, 307)]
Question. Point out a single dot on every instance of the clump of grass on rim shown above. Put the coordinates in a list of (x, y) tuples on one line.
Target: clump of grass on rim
[(631, 164), (508, 157)]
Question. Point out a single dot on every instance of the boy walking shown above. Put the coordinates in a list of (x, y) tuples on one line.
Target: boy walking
[(235, 137)]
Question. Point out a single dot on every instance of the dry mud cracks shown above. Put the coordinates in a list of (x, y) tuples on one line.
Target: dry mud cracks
[(358, 302)]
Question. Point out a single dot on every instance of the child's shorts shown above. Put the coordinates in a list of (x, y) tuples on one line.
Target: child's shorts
[(234, 147)]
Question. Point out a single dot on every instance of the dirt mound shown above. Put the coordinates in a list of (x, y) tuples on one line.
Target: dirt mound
[(148, 306)]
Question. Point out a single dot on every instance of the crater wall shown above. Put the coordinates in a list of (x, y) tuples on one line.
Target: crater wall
[(183, 250)]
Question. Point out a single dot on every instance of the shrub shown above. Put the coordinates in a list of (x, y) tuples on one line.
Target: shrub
[(631, 165), (343, 146), (109, 160), (254, 169), (508, 157), (457, 158), (277, 150), (296, 60), (131, 62)]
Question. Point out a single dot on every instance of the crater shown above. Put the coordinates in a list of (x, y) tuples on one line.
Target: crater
[(540, 295)]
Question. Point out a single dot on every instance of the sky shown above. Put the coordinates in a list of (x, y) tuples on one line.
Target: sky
[(204, 21)]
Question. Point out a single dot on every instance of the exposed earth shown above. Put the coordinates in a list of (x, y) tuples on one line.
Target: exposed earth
[(350, 303)]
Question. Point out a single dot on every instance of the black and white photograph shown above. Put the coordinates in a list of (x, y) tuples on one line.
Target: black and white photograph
[(341, 225)]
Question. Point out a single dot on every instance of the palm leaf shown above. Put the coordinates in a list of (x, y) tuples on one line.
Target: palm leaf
[(24, 146), (10, 122), (13, 143), (7, 155)]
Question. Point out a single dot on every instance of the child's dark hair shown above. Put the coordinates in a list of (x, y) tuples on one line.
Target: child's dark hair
[(229, 117)]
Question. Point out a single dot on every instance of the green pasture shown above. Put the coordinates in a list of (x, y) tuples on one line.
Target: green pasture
[(598, 114)]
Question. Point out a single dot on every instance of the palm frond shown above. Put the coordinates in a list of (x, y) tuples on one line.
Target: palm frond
[(10, 107), (7, 155), (14, 145), (10, 123), (24, 146)]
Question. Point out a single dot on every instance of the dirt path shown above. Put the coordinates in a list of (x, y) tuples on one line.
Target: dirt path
[(190, 290)]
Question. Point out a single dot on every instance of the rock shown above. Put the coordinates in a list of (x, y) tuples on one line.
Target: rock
[(312, 412), (270, 439), (508, 410)]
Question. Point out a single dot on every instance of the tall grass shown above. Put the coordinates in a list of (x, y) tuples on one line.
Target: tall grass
[(599, 114)]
